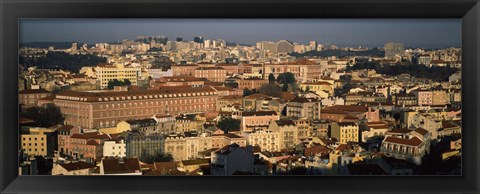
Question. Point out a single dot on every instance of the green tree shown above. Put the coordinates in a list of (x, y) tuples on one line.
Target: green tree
[(285, 87), (286, 78), (246, 92), (348, 68), (271, 77), (31, 112), (46, 115), (127, 82), (116, 82), (271, 89), (160, 157), (228, 124), (62, 60)]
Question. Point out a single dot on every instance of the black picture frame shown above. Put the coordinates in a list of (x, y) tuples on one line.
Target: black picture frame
[(11, 11)]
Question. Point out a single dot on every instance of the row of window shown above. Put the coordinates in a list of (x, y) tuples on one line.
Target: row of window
[(170, 102), (30, 139), (35, 149)]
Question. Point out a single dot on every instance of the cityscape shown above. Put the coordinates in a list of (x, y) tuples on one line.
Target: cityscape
[(188, 105)]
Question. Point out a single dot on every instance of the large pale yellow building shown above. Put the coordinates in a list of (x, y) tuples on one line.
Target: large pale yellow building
[(345, 132), (322, 88), (266, 140), (288, 133), (36, 142), (186, 147), (106, 72)]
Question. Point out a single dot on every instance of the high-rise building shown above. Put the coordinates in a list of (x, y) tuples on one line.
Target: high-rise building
[(313, 45), (207, 43), (171, 45), (392, 49), (179, 39), (284, 46), (74, 46), (267, 46), (299, 48), (198, 39)]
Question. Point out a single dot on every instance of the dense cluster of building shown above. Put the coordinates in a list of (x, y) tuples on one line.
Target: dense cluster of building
[(330, 121)]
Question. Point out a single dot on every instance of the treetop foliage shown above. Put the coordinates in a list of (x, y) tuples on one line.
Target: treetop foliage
[(61, 60)]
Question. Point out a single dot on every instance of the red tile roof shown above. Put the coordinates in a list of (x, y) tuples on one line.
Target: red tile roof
[(34, 91), (65, 128), (414, 141), (99, 96), (259, 113), (77, 166), (114, 166), (422, 131)]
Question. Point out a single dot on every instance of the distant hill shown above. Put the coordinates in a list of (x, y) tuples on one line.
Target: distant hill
[(56, 45)]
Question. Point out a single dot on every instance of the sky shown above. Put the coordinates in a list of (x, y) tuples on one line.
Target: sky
[(423, 33)]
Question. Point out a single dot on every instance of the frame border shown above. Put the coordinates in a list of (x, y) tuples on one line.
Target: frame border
[(11, 11)]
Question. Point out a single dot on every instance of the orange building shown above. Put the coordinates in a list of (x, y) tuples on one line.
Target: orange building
[(87, 145), (251, 83), (214, 74), (184, 70), (94, 110)]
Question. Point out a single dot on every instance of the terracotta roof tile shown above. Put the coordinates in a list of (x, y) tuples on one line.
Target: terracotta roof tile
[(414, 141)]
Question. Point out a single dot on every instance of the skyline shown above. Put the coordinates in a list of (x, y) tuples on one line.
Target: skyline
[(423, 33)]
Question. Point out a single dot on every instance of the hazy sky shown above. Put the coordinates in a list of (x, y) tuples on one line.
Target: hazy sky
[(427, 33)]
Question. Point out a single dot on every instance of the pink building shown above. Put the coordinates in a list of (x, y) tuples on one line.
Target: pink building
[(214, 74), (64, 133), (257, 120), (424, 97), (251, 83), (30, 97), (87, 145), (231, 69), (184, 70)]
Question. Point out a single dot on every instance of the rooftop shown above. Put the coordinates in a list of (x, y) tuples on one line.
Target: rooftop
[(124, 165), (414, 141), (77, 166)]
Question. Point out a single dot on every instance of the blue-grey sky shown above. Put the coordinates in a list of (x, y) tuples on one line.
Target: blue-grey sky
[(426, 33)]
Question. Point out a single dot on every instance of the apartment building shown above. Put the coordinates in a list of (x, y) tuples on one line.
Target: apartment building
[(266, 140), (232, 158), (106, 72), (345, 132), (38, 142), (308, 108), (214, 74), (257, 120)]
